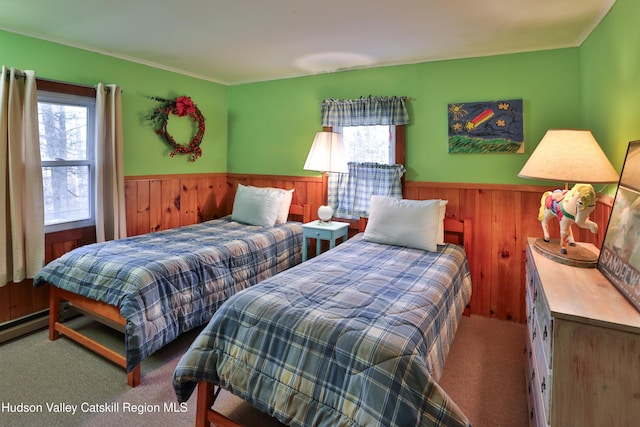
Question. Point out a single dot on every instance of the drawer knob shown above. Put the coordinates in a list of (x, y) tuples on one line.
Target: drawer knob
[(544, 333), (543, 386)]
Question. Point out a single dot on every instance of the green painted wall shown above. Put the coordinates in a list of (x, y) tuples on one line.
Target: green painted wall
[(267, 127), (610, 80), (272, 124), (145, 152)]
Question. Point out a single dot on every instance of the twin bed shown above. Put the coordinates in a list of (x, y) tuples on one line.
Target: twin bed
[(357, 336), (155, 286)]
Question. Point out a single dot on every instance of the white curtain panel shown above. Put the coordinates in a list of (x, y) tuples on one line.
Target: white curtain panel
[(22, 214), (110, 205)]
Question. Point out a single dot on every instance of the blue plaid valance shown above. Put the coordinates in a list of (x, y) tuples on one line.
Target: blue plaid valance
[(369, 111)]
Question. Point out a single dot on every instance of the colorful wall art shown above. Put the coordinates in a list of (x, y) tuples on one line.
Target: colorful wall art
[(486, 127)]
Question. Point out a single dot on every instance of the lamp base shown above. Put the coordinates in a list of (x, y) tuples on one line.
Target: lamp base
[(577, 256), (325, 213)]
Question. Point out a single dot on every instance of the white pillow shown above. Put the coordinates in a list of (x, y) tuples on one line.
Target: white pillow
[(256, 206), (443, 212), (283, 213), (402, 222)]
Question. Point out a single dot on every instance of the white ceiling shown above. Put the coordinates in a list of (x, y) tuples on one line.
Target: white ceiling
[(240, 41)]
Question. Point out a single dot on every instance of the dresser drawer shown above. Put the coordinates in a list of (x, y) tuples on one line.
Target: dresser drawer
[(528, 358), (531, 311), (545, 326), (537, 413), (539, 322), (582, 353), (542, 374), (540, 411), (539, 310), (531, 276), (319, 234), (530, 295)]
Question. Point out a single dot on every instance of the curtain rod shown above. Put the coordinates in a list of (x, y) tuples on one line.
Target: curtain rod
[(60, 82), (53, 83), (49, 84), (16, 73)]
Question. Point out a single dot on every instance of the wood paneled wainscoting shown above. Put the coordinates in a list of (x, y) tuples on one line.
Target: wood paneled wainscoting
[(503, 216), (307, 190), (26, 304), (153, 203), (161, 202)]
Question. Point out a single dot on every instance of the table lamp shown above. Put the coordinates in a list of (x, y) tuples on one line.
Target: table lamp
[(568, 156), (327, 154)]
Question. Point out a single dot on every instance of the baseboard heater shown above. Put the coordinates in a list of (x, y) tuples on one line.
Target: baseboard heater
[(31, 323)]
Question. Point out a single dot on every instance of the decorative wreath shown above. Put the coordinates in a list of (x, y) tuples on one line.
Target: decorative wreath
[(180, 106)]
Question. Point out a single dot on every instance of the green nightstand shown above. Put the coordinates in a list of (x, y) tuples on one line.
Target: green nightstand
[(323, 231)]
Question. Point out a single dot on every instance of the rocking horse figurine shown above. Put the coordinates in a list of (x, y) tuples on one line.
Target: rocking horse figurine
[(569, 206)]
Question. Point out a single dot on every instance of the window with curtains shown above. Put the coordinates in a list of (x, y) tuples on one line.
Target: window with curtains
[(369, 144), (375, 151), (67, 142)]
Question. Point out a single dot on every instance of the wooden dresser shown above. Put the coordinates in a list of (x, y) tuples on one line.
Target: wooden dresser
[(583, 351)]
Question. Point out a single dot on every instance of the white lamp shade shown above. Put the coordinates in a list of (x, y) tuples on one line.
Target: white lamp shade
[(568, 155), (327, 153)]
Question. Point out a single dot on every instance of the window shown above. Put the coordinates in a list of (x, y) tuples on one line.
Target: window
[(369, 144), (66, 130), (375, 154), (379, 124)]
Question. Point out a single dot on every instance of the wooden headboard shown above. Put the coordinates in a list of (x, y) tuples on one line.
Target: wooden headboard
[(459, 232), (303, 212)]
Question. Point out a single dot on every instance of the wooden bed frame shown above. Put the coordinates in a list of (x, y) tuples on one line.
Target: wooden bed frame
[(109, 315), (455, 231)]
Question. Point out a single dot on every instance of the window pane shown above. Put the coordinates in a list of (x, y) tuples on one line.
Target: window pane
[(63, 131), (66, 194), (368, 144)]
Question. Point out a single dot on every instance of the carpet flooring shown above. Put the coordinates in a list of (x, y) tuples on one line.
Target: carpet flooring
[(59, 383)]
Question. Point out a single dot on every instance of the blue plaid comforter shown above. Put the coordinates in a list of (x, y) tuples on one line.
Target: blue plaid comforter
[(168, 282), (357, 336)]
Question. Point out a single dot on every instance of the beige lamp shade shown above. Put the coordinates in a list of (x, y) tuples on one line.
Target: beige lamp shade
[(327, 153), (568, 155)]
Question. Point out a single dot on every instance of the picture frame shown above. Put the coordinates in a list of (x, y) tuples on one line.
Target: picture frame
[(619, 258), (486, 127)]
